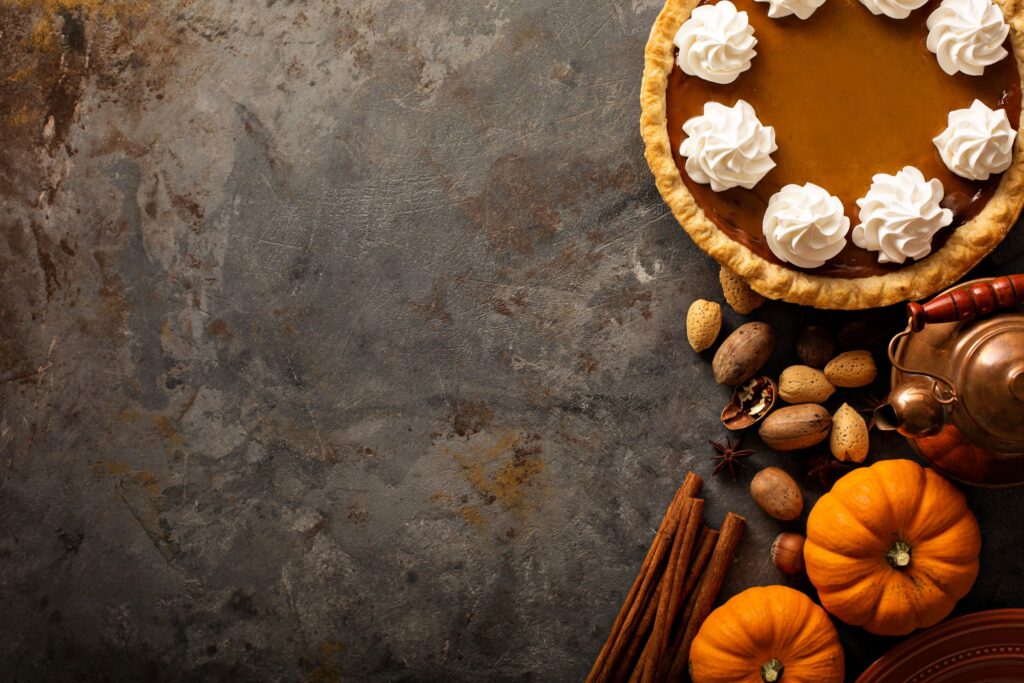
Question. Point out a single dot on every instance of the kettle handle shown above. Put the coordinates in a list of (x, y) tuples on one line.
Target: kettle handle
[(969, 301)]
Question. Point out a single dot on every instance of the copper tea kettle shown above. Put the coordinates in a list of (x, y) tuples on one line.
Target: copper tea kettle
[(958, 381)]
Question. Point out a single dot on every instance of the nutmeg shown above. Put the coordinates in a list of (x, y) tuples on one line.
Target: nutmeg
[(788, 552), (815, 346)]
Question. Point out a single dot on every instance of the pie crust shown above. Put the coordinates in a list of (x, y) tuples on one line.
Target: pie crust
[(966, 246)]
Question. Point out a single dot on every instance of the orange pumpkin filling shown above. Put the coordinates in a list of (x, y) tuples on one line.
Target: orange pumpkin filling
[(850, 94)]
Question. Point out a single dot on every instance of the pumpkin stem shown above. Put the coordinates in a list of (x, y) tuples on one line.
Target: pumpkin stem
[(771, 671), (899, 555)]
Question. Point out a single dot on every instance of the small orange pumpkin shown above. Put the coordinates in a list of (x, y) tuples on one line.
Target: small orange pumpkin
[(892, 547), (764, 635)]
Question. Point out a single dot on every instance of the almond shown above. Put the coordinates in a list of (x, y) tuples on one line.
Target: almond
[(849, 439), (802, 384), (743, 353), (851, 369), (703, 323), (738, 293), (795, 427)]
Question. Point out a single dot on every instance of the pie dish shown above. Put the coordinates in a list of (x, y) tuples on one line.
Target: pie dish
[(984, 646), (850, 107)]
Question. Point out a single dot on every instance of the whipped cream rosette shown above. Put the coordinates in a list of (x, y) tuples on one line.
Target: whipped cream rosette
[(728, 147), (899, 216), (803, 9), (967, 35), (805, 225), (716, 43), (978, 142), (894, 9)]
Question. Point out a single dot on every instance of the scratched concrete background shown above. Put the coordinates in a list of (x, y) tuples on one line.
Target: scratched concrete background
[(343, 341)]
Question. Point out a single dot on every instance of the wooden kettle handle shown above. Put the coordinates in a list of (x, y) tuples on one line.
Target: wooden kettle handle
[(969, 301)]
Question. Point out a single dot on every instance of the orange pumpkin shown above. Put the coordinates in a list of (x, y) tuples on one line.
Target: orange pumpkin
[(764, 635), (892, 547)]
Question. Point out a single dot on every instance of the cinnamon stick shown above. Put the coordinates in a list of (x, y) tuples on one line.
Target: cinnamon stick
[(672, 587), (626, 622), (630, 637), (651, 574), (695, 525), (633, 659), (638, 672), (706, 545), (660, 609), (706, 592), (708, 539), (628, 661)]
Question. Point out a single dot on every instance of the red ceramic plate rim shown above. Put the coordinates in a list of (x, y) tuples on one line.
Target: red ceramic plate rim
[(943, 648)]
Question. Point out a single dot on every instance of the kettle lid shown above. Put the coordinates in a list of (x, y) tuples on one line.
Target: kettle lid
[(988, 362)]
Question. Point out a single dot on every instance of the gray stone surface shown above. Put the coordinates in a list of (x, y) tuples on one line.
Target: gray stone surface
[(343, 341)]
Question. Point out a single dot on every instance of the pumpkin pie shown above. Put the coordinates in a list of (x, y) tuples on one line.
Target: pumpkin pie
[(838, 153)]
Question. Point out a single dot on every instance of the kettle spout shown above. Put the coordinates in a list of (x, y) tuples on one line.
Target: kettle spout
[(912, 409), (886, 419)]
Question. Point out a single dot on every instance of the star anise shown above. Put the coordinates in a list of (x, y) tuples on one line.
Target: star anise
[(868, 407), (729, 455), (826, 469)]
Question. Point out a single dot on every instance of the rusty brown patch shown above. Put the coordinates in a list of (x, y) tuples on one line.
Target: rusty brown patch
[(52, 256), (518, 206), (356, 514), (595, 255), (563, 73), (501, 306), (113, 468), (149, 483), (626, 177), (329, 669), (11, 356), (628, 298), (526, 200), (165, 426), (644, 300), (114, 307), (51, 50), (469, 417), (44, 65), (588, 362), (433, 308), (504, 470), (354, 35), (220, 331), (167, 429), (472, 515), (194, 213), (141, 493), (146, 480), (441, 497), (306, 439)]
